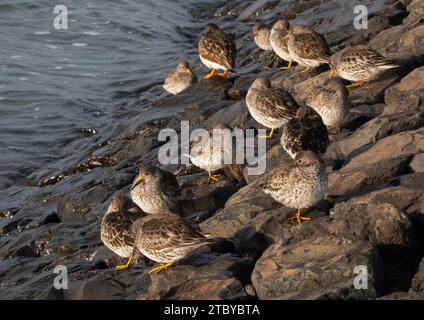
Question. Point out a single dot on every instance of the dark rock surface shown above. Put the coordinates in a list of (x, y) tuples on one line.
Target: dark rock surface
[(322, 268), (373, 214)]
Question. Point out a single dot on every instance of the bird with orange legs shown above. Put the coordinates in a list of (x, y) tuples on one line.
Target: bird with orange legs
[(298, 183), (115, 229), (217, 51), (307, 47), (271, 107), (359, 64)]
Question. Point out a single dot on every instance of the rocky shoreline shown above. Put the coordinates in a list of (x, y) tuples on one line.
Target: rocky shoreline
[(373, 214)]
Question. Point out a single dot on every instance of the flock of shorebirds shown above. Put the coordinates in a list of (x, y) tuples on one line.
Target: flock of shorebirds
[(147, 225)]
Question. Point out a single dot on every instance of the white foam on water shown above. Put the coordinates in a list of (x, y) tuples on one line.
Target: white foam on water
[(92, 33), (79, 44), (41, 33)]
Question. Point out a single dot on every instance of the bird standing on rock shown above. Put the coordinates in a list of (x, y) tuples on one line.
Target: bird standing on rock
[(180, 78), (271, 107), (331, 102), (298, 183), (279, 41), (307, 47), (155, 190), (305, 132), (359, 64), (217, 51), (167, 238), (115, 229), (210, 154)]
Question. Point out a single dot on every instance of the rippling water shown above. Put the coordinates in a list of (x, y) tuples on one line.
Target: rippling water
[(55, 83)]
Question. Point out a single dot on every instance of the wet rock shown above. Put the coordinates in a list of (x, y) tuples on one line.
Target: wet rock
[(8, 213), (316, 269), (17, 223), (26, 277), (96, 288)]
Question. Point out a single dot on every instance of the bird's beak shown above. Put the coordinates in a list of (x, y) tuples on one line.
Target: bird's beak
[(137, 182), (288, 34), (331, 73)]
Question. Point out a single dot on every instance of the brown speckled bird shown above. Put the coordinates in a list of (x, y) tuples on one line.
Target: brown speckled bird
[(271, 107), (305, 132), (217, 51), (307, 47), (359, 64), (180, 78), (167, 238), (261, 34), (298, 183), (155, 190), (279, 41), (205, 155), (331, 102), (115, 229)]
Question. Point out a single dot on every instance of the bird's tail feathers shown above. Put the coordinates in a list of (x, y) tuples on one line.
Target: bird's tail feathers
[(219, 244)]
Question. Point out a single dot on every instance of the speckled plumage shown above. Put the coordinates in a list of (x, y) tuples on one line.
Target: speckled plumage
[(261, 35), (180, 78), (202, 151), (115, 229), (305, 132), (359, 63), (271, 107), (279, 39), (331, 102), (166, 238), (307, 47), (217, 49), (298, 183), (155, 190)]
